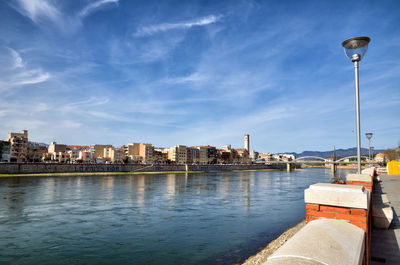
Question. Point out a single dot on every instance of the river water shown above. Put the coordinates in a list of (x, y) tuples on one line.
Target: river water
[(201, 218)]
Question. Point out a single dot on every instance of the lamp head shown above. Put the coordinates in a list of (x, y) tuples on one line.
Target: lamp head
[(369, 135), (355, 48)]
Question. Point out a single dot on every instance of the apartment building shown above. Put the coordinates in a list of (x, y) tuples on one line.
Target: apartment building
[(98, 150), (60, 157), (114, 155), (178, 154), (160, 155), (193, 155), (242, 155), (142, 151), (56, 148), (4, 151), (36, 152), (18, 146)]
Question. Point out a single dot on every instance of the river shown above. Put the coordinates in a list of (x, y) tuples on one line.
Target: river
[(200, 218)]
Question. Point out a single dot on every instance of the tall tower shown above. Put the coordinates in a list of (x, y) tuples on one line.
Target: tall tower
[(247, 142)]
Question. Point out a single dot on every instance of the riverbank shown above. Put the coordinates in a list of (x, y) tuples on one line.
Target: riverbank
[(262, 255), (118, 173), (78, 169)]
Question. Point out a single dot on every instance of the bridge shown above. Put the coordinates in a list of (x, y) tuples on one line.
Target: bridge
[(316, 160)]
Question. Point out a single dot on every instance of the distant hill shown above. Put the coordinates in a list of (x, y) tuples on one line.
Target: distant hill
[(339, 153)]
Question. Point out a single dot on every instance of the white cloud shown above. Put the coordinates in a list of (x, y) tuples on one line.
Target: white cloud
[(37, 10), (17, 60), (150, 30), (30, 77), (93, 6), (195, 77)]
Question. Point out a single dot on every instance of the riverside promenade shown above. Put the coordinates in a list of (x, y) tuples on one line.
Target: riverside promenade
[(385, 247)]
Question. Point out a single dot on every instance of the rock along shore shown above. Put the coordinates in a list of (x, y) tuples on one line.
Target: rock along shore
[(262, 256)]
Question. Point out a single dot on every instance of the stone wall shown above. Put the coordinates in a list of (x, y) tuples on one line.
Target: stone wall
[(29, 168)]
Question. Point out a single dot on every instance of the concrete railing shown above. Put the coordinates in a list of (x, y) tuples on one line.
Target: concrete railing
[(323, 241), (338, 229)]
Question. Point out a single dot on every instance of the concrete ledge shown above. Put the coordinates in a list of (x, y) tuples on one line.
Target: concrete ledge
[(380, 198), (323, 241), (359, 177), (369, 171), (337, 195), (382, 214)]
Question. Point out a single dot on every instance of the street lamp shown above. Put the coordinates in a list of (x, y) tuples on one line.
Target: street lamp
[(355, 49), (369, 136)]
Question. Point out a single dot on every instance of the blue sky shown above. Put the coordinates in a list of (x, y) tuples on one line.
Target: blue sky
[(199, 72)]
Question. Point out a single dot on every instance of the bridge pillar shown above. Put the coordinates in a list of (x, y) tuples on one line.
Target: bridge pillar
[(333, 168), (288, 167)]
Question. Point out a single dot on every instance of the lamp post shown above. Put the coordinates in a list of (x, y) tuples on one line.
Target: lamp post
[(355, 49), (369, 136)]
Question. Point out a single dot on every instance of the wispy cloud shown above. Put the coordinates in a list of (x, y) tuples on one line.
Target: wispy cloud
[(90, 8), (38, 10), (17, 60), (30, 77), (150, 30), (195, 77)]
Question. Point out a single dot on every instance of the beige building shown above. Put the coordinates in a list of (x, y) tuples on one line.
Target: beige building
[(203, 154), (56, 148), (160, 155), (98, 150), (380, 157), (36, 152), (142, 150), (60, 157), (113, 155), (18, 146), (178, 154), (242, 155)]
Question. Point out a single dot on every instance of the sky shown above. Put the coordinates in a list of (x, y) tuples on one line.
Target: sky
[(199, 72)]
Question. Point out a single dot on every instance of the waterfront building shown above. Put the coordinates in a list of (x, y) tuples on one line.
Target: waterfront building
[(18, 146), (193, 155), (36, 152), (266, 156), (86, 156), (242, 155), (203, 154), (247, 142), (114, 155), (60, 157), (4, 151), (140, 152), (225, 156), (253, 155), (226, 147), (287, 157), (73, 155), (160, 155), (178, 154), (56, 148), (380, 157), (98, 150)]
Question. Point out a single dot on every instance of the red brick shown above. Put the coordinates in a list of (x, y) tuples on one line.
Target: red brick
[(320, 214), (360, 225), (314, 207), (359, 212), (349, 217), (310, 218), (334, 209)]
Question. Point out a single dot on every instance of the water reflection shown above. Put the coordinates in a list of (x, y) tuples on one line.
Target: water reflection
[(202, 218)]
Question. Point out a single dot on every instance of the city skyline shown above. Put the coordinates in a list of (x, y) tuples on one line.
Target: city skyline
[(198, 73)]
